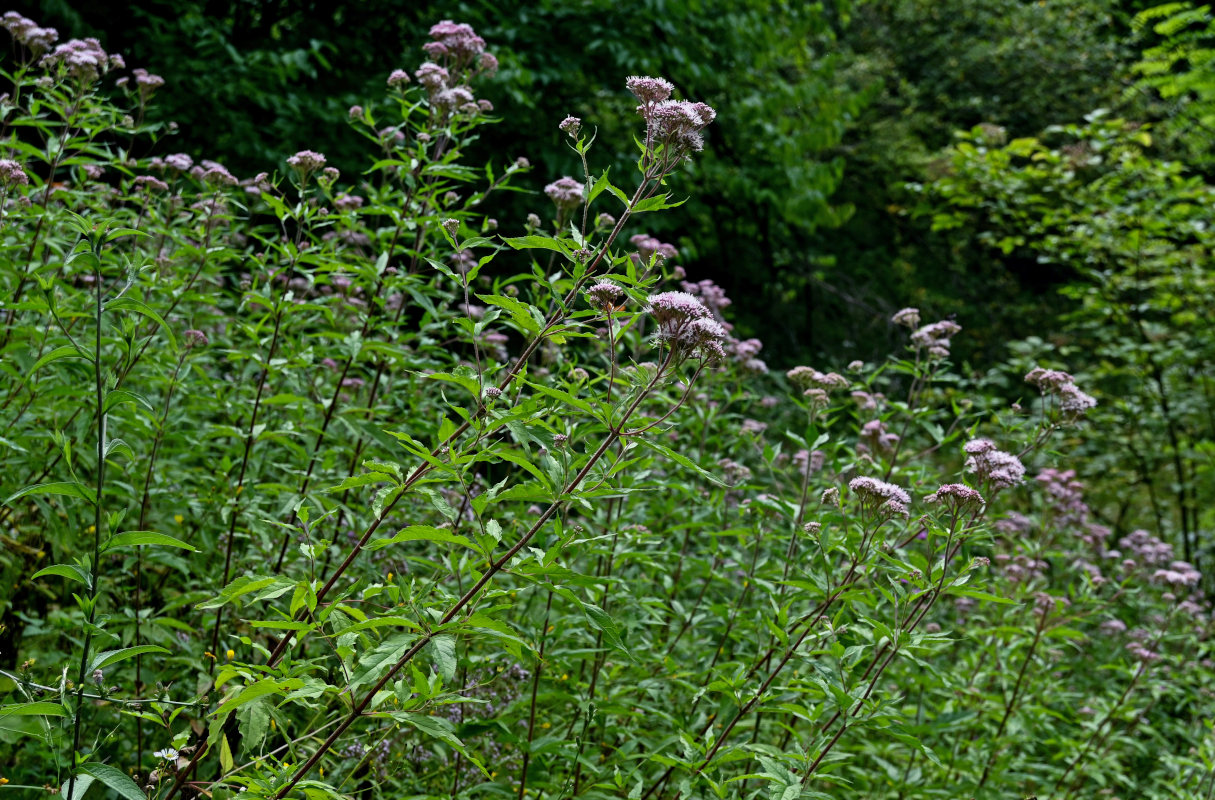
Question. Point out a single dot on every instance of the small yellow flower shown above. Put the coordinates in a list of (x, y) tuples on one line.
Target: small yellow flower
[(565, 676), (3, 781), (209, 654), (551, 628), (231, 654), (546, 725), (322, 772), (91, 529), (272, 725), (493, 774), (390, 577), (40, 554), (178, 518)]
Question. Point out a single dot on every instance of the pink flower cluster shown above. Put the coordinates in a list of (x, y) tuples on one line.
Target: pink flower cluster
[(1000, 470), (709, 293), (907, 317), (686, 324), (648, 246), (675, 126), (604, 295), (11, 173), (886, 496), (566, 193), (25, 31), (936, 338), (1073, 403), (83, 59)]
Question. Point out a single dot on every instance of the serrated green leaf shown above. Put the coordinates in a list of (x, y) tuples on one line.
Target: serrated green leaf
[(108, 657), (33, 710), (442, 651), (421, 533), (114, 778), (142, 538), (139, 307), (69, 571), (64, 488), (373, 665), (680, 459)]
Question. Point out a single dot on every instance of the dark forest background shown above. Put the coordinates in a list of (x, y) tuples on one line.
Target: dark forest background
[(800, 209)]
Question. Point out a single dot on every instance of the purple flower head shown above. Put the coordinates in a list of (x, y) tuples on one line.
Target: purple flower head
[(709, 293), (458, 40), (1048, 380), (82, 59), (649, 90), (348, 202), (432, 76), (146, 182), (356, 112), (214, 173), (455, 97), (936, 337), (25, 31), (398, 77), (11, 173), (570, 126), (873, 490), (604, 295), (177, 161), (702, 331), (648, 247), (675, 308), (1073, 402), (907, 317), (566, 194), (817, 398), (194, 337), (678, 124), (306, 161), (488, 63), (956, 496), (1000, 469)]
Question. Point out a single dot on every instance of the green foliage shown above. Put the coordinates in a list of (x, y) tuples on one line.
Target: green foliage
[(327, 489), (1093, 199), (1176, 81)]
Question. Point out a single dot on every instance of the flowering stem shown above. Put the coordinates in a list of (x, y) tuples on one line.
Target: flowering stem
[(531, 718), (95, 577), (1012, 700), (142, 525), (473, 592), (244, 463)]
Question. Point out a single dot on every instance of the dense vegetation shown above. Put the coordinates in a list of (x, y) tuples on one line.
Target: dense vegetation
[(431, 411)]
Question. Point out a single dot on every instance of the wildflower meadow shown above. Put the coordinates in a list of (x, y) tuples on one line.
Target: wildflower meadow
[(435, 472)]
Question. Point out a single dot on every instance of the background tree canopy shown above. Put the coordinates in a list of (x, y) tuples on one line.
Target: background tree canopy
[(800, 210)]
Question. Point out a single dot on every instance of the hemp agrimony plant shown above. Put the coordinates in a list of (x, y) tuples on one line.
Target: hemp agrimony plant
[(326, 487)]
